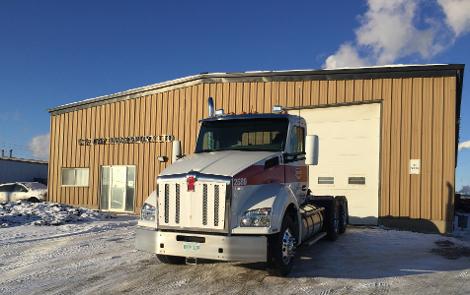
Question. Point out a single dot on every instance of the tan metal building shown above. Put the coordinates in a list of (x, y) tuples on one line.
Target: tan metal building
[(388, 137)]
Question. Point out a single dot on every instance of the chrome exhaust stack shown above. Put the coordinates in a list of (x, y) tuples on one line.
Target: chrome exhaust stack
[(210, 105)]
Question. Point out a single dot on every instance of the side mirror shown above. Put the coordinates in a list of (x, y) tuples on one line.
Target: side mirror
[(176, 151), (311, 150)]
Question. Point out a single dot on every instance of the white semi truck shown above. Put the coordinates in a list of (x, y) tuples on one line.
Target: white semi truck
[(241, 196)]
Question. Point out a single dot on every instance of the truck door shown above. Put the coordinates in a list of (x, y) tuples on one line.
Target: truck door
[(295, 170)]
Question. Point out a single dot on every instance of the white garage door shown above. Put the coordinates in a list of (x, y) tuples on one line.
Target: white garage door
[(349, 138)]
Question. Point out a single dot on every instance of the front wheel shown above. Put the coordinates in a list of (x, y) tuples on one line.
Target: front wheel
[(281, 249)]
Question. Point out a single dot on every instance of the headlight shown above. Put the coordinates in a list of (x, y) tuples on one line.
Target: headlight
[(147, 212), (257, 217)]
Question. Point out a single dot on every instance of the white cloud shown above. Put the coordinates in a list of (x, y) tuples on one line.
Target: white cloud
[(39, 146), (464, 145), (457, 14), (391, 30), (346, 56)]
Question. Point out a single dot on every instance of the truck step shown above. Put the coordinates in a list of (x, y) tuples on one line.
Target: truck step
[(191, 261), (314, 239)]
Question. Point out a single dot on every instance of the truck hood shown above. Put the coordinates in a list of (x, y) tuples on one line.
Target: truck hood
[(224, 163)]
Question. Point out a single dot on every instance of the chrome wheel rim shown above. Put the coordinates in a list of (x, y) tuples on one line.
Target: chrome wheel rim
[(288, 246)]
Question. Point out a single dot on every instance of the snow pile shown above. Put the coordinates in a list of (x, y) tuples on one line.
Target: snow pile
[(19, 213)]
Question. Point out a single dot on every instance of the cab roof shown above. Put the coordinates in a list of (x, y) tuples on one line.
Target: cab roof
[(291, 118)]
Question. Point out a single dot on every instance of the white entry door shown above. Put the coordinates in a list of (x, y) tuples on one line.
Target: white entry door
[(349, 141), (117, 188)]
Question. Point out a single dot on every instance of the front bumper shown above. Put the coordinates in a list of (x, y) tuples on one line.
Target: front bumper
[(226, 248)]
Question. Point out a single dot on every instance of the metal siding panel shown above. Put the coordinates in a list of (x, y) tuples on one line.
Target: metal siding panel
[(146, 150), (219, 103), (291, 99), (260, 97), (200, 100), (349, 90), (315, 97), (66, 150), (275, 93), (107, 130), (122, 119), (140, 151), (306, 93), (340, 91), (181, 127), (268, 102), (226, 97), (187, 121), (239, 103), (437, 143), (367, 89), (52, 159), (416, 137), (86, 163), (283, 93), (246, 98), (323, 92), (385, 162), (448, 185), (395, 150), (405, 148), (332, 92), (81, 127), (92, 192), (358, 90), (203, 108), (233, 98), (427, 149), (377, 89), (73, 128)]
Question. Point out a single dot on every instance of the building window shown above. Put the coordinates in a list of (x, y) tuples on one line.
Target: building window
[(357, 180), (75, 176), (326, 180)]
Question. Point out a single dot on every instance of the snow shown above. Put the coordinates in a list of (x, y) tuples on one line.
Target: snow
[(23, 212), (97, 256)]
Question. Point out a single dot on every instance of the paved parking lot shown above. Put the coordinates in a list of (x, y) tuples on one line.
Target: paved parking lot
[(99, 258)]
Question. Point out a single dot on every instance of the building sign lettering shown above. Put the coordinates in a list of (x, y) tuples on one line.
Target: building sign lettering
[(126, 140)]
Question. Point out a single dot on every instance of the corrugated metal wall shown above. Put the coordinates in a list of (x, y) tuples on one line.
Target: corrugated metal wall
[(418, 122)]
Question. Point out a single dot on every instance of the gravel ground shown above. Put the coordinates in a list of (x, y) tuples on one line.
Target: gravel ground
[(98, 257)]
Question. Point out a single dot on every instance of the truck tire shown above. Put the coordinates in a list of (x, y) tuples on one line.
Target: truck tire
[(281, 248), (167, 259), (343, 217), (332, 230)]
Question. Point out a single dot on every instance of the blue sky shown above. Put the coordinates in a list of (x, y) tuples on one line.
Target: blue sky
[(54, 52)]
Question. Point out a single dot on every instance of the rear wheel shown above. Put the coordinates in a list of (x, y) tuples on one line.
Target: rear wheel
[(343, 217), (281, 249), (167, 259), (33, 200), (333, 225)]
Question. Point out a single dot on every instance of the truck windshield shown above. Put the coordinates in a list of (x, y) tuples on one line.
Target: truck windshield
[(245, 135)]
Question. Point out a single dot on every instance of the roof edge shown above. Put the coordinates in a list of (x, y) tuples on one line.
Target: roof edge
[(329, 74)]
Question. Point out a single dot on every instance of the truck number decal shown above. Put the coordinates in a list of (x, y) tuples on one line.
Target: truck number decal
[(239, 181)]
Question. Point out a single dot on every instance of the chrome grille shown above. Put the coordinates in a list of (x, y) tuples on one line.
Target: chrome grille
[(204, 204), (203, 208), (167, 203), (216, 205), (177, 203)]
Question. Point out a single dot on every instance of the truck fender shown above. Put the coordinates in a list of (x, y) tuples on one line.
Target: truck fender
[(275, 196)]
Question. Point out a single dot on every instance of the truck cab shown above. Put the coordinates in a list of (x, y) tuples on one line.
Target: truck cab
[(241, 196)]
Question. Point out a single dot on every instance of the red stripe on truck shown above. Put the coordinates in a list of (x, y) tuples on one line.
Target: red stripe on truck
[(257, 174)]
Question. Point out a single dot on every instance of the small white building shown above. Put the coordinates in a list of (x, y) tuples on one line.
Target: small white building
[(17, 169)]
